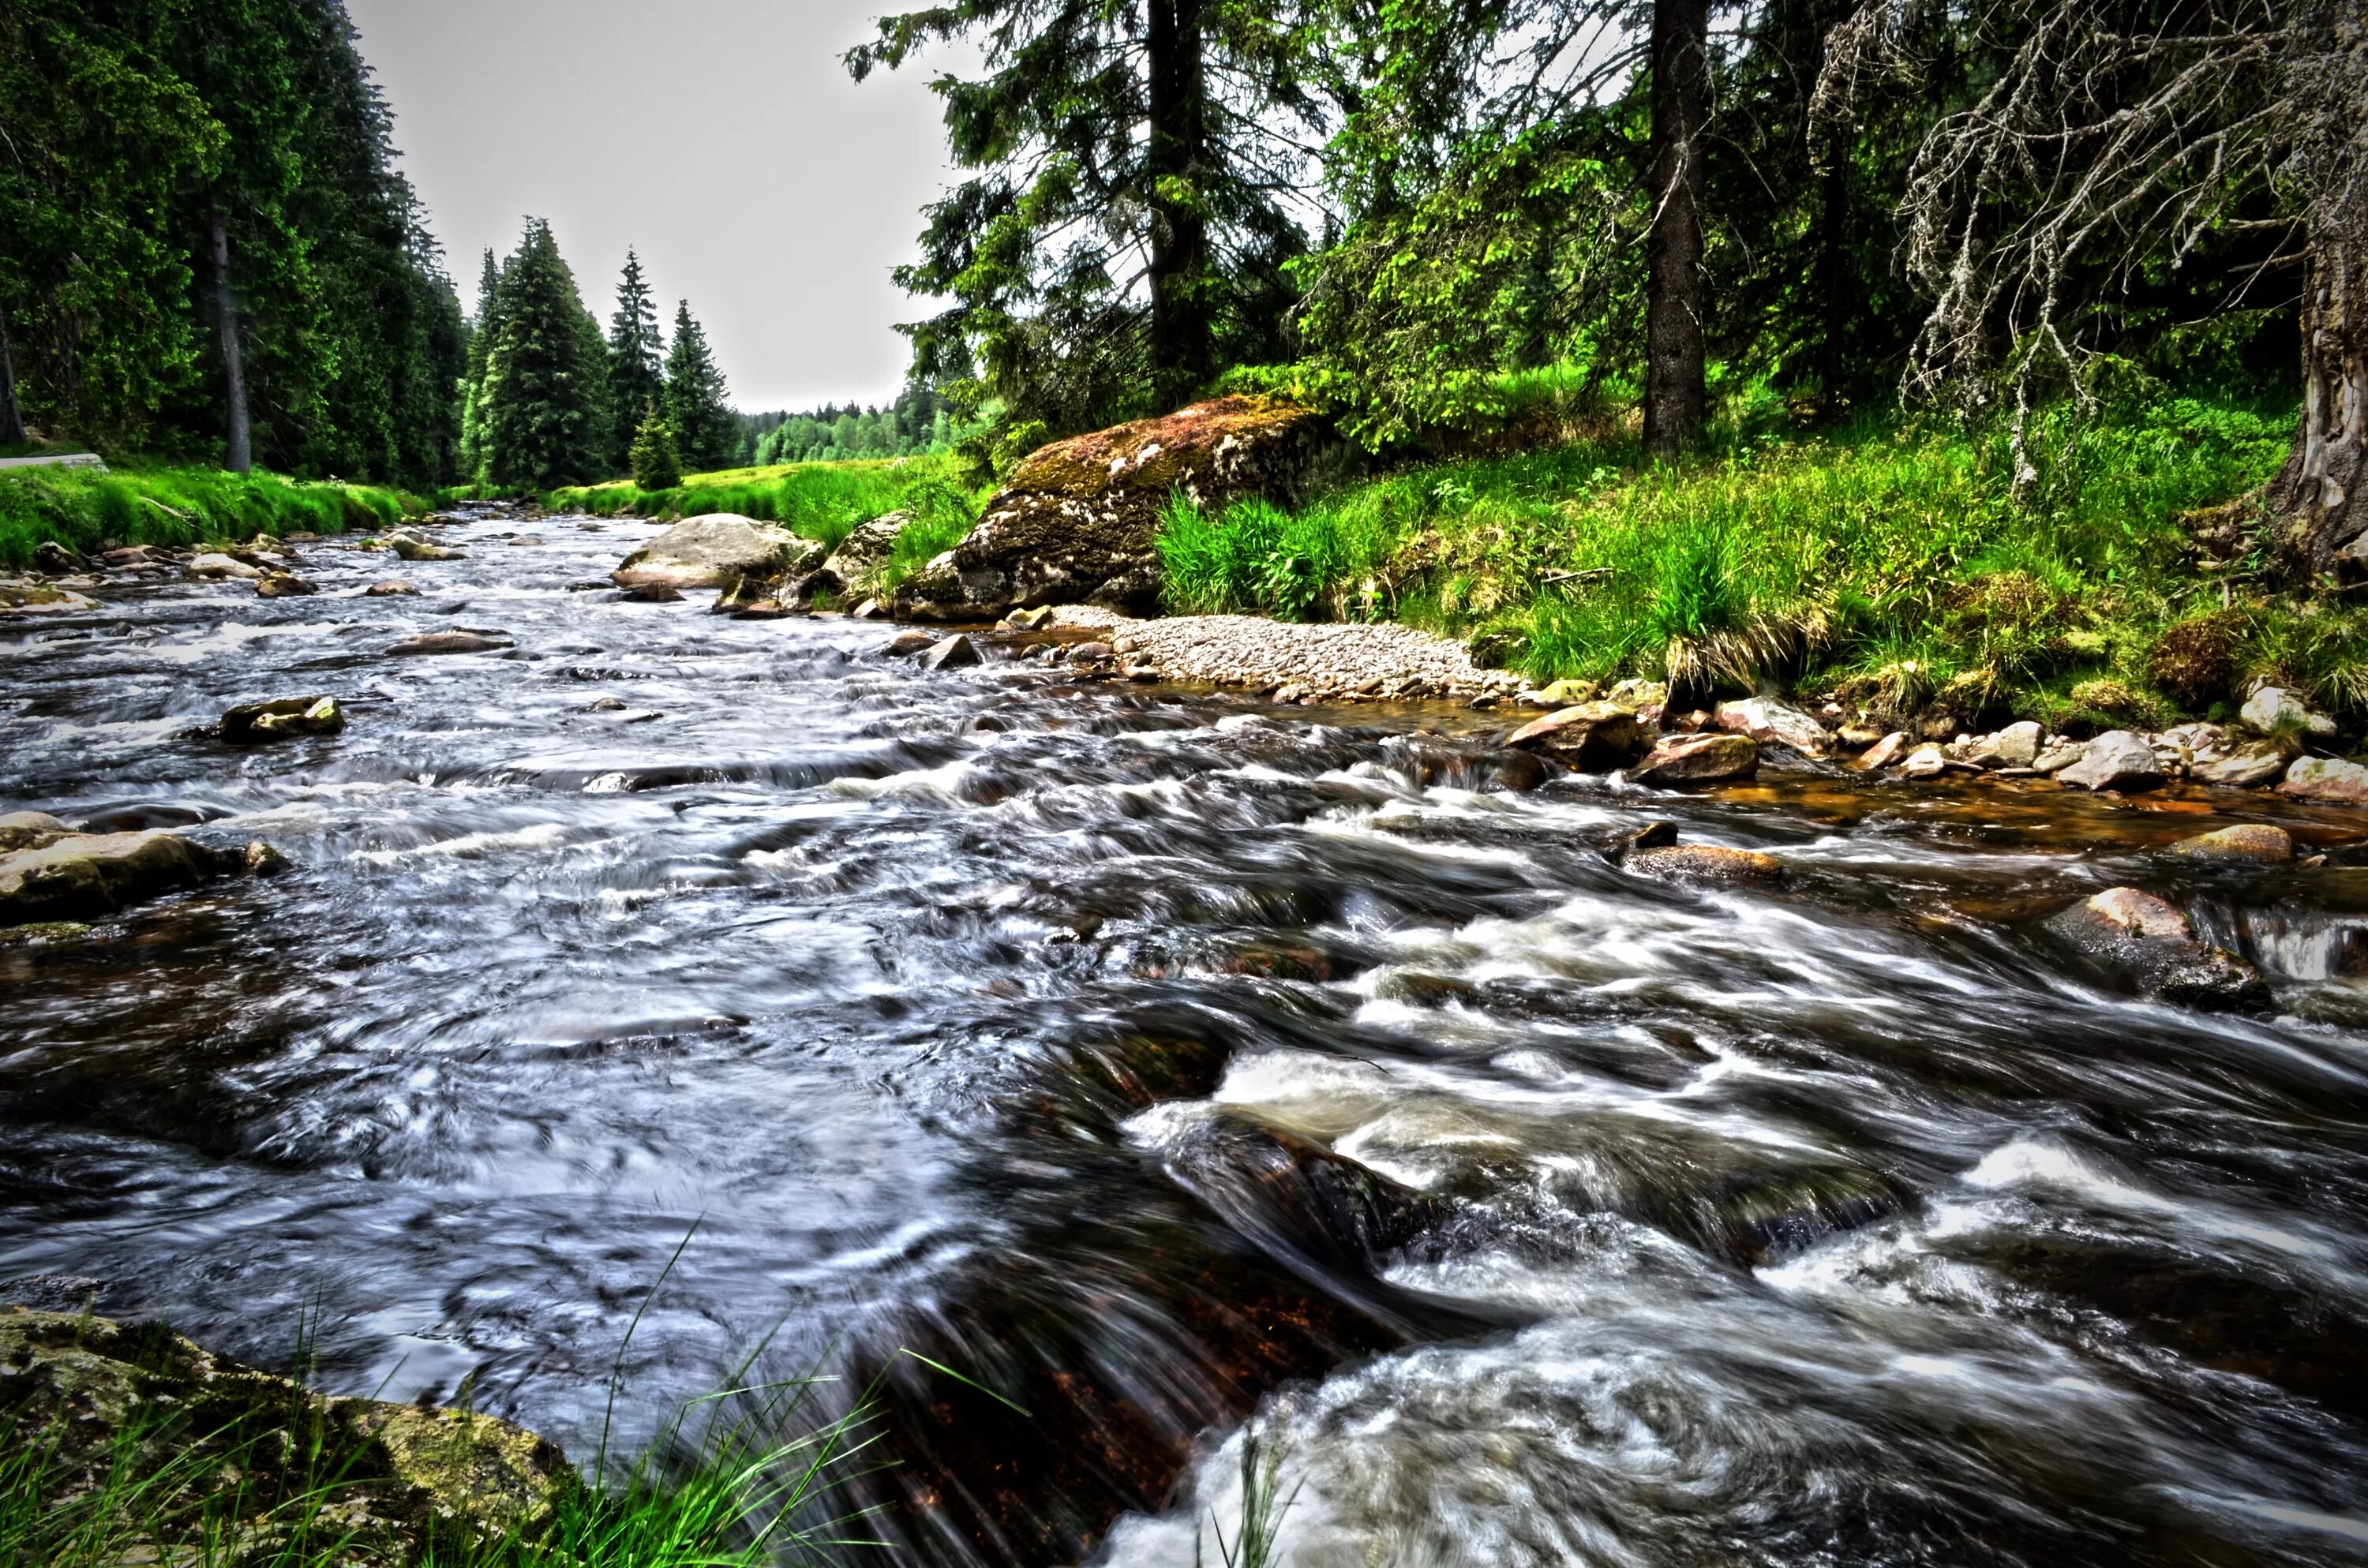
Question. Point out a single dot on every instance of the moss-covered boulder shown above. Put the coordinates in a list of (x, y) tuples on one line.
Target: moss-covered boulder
[(1079, 521), (160, 1440), (84, 874)]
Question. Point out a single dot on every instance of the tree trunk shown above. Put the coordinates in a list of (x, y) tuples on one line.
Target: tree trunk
[(12, 417), (1183, 338), (1674, 394), (1834, 292), (240, 454), (2321, 494)]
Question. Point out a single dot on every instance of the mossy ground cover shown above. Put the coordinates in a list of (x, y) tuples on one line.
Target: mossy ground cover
[(87, 509), (1892, 548), (824, 501)]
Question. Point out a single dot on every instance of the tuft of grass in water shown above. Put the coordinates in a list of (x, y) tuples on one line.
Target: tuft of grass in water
[(1778, 558), (85, 509), (1259, 1525), (824, 501)]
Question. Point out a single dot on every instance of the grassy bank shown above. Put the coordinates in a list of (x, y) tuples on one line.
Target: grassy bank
[(1891, 552), (824, 501), (89, 510)]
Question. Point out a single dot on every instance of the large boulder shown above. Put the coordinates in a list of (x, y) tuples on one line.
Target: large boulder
[(2148, 941), (2116, 760), (2327, 778), (714, 551), (86, 874), (1707, 759), (1592, 737), (119, 1404), (1773, 723), (1079, 520)]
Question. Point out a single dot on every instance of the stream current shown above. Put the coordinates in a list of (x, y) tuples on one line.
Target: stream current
[(1165, 1063)]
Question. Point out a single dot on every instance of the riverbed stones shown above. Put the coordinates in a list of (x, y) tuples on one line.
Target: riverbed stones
[(2327, 778), (2274, 710), (1927, 761), (2252, 843), (282, 585), (2117, 759), (2148, 941), (1079, 518), (2017, 746), (2058, 755), (1772, 722), (1592, 737), (906, 644), (213, 565), (410, 546), (281, 717), (2244, 765), (410, 1481), (1712, 758), (55, 560), (87, 874), (392, 587), (951, 653), (712, 552), (29, 830), (440, 642), (1883, 752)]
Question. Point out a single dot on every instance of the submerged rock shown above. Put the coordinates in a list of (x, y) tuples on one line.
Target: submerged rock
[(1079, 519), (650, 593), (715, 550), (2116, 760), (412, 547), (391, 588), (410, 1481), (2149, 942), (1593, 737), (449, 642), (214, 565), (280, 717), (1698, 760), (2257, 842)]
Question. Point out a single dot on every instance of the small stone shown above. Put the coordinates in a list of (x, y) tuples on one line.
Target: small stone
[(869, 609), (2056, 759), (2325, 779), (2255, 843), (282, 585), (1097, 652), (1884, 751), (1926, 761), (2274, 710), (650, 594), (1698, 760), (395, 587), (2141, 913), (2017, 746), (909, 643), (411, 547), (605, 704), (2116, 760), (281, 717), (1566, 694), (214, 565), (54, 560), (954, 652), (2246, 766), (260, 860)]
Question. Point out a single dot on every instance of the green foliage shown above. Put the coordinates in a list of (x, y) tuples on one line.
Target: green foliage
[(1253, 557), (918, 423), (656, 464), (636, 355), (697, 405), (177, 505), (822, 501), (539, 412)]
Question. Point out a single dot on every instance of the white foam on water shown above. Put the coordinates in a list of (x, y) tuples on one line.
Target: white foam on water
[(471, 846)]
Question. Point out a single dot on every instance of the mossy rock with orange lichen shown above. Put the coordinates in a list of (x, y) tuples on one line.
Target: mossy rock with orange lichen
[(1079, 521)]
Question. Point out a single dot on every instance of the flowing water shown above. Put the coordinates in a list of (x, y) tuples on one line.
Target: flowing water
[(1169, 1064)]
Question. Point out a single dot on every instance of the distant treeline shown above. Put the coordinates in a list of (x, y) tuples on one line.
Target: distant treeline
[(920, 421)]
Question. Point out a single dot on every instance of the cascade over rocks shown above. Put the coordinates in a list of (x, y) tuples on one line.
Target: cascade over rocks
[(1078, 520), (2149, 942)]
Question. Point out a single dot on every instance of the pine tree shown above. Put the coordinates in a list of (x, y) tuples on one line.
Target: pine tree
[(542, 406), (656, 465), (697, 403), (636, 355)]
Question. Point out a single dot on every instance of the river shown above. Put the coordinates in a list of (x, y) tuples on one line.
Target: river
[(1164, 1061)]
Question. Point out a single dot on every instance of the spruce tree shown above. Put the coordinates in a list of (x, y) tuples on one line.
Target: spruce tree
[(697, 401), (656, 465), (636, 355), (542, 406)]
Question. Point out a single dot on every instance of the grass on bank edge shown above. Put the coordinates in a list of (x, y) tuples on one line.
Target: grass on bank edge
[(87, 510), (823, 501), (1888, 551)]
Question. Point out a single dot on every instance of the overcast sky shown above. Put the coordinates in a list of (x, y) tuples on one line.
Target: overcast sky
[(721, 138)]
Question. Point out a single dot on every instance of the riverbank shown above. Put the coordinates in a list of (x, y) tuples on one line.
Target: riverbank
[(90, 511)]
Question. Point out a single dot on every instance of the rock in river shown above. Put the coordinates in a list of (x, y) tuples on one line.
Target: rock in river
[(860, 554), (1774, 724), (1079, 520), (393, 587), (2325, 779), (1708, 759), (280, 717), (1705, 863), (951, 653), (29, 830), (451, 643), (714, 551), (213, 564), (84, 874), (2149, 942), (1592, 737), (411, 547), (2255, 842), (2116, 760), (282, 585)]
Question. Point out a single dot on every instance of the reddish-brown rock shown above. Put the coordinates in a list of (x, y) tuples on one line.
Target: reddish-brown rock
[(1711, 759)]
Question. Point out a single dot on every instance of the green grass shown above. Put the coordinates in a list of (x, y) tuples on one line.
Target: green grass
[(87, 510), (1811, 560), (822, 501)]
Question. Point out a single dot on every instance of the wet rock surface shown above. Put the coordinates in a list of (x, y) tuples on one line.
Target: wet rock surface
[(714, 551)]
